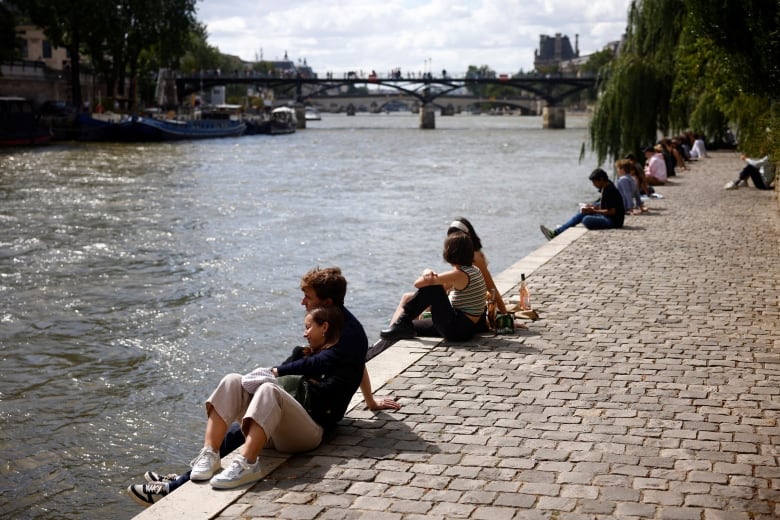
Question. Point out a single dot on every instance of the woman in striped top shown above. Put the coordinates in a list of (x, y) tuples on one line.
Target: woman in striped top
[(456, 298)]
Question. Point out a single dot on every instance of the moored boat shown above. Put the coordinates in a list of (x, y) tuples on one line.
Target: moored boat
[(149, 129), (312, 114), (20, 125), (283, 121)]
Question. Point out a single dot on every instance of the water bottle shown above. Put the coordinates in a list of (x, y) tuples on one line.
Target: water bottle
[(525, 295)]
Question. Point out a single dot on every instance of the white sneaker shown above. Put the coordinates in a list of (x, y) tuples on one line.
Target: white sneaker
[(239, 473), (205, 464), (731, 185)]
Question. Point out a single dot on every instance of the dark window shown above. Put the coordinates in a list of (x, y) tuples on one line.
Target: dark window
[(46, 49)]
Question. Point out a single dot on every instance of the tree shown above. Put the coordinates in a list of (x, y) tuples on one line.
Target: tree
[(738, 42), (66, 23), (475, 72), (9, 45), (700, 64), (114, 35), (200, 55), (141, 33), (635, 98), (597, 62)]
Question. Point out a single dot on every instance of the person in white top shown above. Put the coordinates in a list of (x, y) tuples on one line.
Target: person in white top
[(655, 166), (761, 171), (699, 150)]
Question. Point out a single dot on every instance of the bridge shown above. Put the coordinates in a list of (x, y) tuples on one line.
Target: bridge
[(397, 101), (428, 91)]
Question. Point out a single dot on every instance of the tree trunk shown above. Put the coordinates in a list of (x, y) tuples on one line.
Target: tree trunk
[(75, 73)]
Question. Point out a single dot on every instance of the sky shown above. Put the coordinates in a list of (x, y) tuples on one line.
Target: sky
[(413, 35)]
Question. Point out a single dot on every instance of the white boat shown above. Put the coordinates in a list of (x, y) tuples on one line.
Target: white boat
[(283, 121), (312, 114)]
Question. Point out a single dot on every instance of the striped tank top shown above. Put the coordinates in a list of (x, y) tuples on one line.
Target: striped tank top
[(470, 299)]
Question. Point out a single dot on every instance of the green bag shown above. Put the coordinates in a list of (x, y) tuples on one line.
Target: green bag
[(298, 387), (505, 324)]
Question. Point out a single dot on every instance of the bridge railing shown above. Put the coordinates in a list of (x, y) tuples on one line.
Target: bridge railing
[(368, 77)]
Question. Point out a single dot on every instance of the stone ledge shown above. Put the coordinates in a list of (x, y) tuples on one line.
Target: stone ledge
[(198, 500)]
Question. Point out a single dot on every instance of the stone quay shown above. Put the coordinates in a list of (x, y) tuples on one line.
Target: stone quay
[(649, 388)]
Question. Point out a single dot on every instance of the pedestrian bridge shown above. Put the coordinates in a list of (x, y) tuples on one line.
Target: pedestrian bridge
[(446, 105), (429, 92)]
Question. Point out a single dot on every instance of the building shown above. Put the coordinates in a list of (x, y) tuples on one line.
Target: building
[(553, 50), (36, 47)]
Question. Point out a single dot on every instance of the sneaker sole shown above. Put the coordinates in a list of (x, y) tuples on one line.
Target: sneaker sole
[(198, 477), (230, 484)]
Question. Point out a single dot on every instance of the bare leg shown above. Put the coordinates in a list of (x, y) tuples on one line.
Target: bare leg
[(400, 309), (216, 428), (255, 440)]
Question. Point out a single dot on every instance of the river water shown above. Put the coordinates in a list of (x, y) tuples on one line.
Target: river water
[(133, 276)]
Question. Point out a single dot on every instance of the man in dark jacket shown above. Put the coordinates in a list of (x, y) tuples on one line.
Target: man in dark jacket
[(344, 361), (608, 213)]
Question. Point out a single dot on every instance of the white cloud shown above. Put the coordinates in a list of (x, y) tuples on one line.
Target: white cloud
[(381, 35)]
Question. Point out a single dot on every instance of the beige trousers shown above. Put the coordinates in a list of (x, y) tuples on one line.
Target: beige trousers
[(287, 425)]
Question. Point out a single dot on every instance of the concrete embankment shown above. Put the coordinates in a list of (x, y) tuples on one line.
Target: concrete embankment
[(649, 388)]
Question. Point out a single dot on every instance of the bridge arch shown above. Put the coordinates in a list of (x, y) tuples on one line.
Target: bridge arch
[(427, 91)]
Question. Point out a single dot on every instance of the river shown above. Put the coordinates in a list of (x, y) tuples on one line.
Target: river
[(133, 276)]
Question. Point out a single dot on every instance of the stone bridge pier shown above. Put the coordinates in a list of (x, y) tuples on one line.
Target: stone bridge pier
[(428, 116), (553, 117)]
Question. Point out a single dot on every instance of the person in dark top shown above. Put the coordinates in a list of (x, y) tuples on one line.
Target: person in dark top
[(607, 214), (342, 364)]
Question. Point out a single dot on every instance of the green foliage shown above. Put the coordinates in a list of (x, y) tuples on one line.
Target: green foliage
[(124, 38), (200, 55), (479, 72), (634, 101), (9, 46), (597, 61), (749, 32), (67, 23), (743, 70), (700, 64)]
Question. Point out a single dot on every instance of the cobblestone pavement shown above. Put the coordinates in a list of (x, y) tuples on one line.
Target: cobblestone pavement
[(649, 389)]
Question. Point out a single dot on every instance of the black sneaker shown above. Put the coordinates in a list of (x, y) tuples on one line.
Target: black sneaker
[(151, 476), (149, 493), (549, 233), (401, 329)]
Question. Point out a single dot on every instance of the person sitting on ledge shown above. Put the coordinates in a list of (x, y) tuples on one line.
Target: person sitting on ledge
[(761, 171), (655, 166), (456, 298), (269, 416), (609, 213), (699, 149), (627, 187), (322, 288)]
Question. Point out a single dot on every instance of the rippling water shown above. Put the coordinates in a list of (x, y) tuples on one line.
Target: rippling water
[(133, 276)]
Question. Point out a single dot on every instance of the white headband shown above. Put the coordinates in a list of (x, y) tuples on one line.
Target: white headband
[(459, 225)]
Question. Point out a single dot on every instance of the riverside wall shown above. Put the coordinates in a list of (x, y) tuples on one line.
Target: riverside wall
[(649, 388)]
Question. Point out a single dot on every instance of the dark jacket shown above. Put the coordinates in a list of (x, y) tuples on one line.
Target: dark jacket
[(611, 198), (334, 373)]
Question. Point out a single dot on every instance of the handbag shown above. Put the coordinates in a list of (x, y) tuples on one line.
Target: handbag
[(298, 387), (505, 324)]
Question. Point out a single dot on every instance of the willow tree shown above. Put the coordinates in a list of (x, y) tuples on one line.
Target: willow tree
[(699, 64), (634, 100)]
